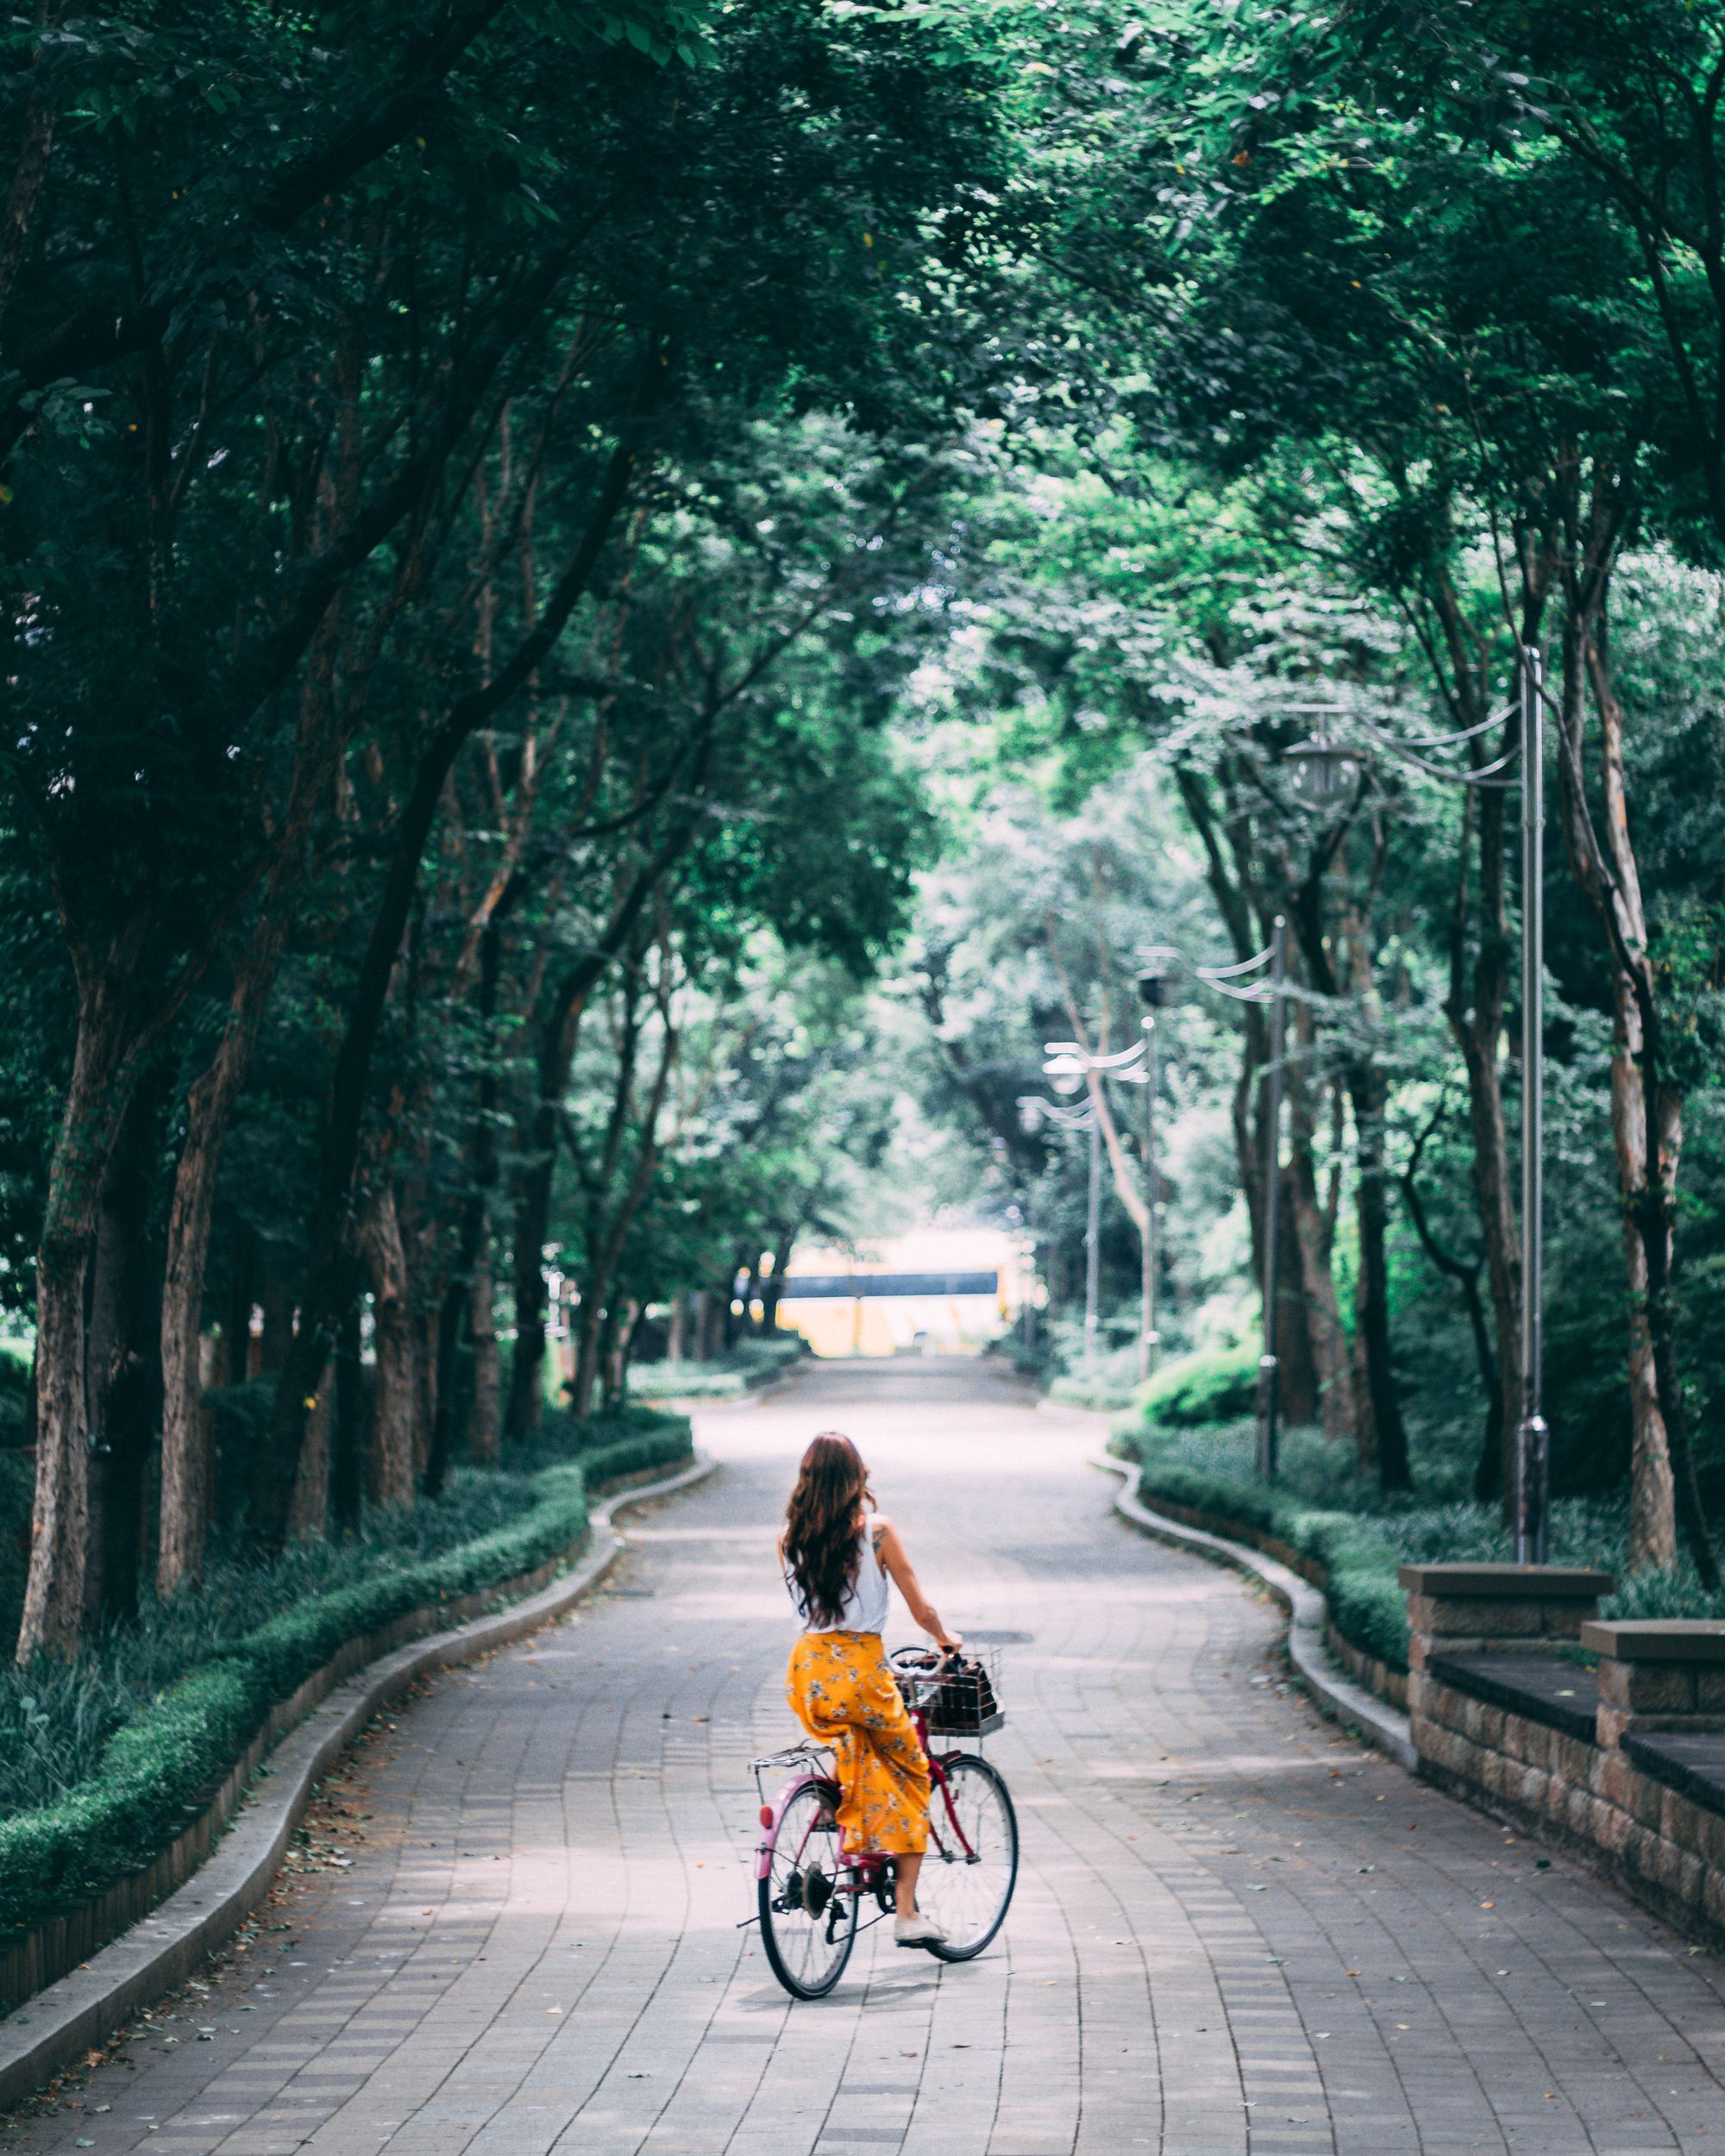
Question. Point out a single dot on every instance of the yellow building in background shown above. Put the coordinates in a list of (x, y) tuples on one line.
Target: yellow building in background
[(935, 1291)]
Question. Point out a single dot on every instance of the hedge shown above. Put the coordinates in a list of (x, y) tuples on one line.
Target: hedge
[(1366, 1603), (743, 1369), (1214, 1385), (156, 1768)]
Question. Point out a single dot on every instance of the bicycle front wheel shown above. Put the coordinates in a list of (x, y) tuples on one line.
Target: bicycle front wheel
[(971, 1864), (808, 1921)]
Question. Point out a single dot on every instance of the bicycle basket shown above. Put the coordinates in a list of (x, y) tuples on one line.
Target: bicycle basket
[(964, 1703)]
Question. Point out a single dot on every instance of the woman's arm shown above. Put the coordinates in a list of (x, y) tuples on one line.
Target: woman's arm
[(922, 1610)]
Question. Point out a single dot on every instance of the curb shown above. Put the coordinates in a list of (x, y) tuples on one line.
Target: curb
[(1350, 1704), (56, 2027)]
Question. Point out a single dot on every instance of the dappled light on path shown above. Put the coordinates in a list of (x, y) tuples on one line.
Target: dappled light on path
[(1236, 1932)]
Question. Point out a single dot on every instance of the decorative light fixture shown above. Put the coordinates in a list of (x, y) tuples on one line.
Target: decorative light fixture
[(1321, 767)]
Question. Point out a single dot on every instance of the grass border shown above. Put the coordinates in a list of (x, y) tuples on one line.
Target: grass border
[(156, 1770), (1353, 1564)]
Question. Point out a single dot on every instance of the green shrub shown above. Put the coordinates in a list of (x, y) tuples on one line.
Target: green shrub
[(657, 1434), (154, 1771), (1360, 1560), (687, 1381), (1213, 1386), (741, 1369), (772, 1351)]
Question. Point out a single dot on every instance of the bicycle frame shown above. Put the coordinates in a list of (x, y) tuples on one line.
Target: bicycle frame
[(865, 1871)]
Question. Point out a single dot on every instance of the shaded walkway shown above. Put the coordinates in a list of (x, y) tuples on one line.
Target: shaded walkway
[(1234, 1931)]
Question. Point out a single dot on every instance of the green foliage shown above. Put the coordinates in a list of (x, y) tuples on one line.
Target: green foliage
[(1358, 1558), (626, 1439), (152, 1771), (742, 1369), (1208, 1387), (1324, 1508)]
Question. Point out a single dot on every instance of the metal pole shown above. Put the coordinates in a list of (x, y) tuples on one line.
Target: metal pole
[(1533, 1454), (1030, 1280), (1093, 1245), (1268, 1372), (1147, 1339)]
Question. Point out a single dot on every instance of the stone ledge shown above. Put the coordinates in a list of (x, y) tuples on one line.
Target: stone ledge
[(1475, 1582), (1656, 1639), (1692, 1766), (1540, 1687)]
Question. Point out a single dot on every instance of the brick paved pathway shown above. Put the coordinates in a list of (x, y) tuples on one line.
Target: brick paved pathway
[(1234, 1931)]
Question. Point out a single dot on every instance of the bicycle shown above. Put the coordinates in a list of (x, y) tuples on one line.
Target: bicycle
[(810, 1889)]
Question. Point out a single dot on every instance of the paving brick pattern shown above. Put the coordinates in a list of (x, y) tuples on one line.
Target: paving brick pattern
[(1234, 1932)]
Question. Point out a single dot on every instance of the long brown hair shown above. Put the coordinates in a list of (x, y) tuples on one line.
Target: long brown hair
[(821, 1546)]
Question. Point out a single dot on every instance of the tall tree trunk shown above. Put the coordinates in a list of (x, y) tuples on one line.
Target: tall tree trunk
[(1480, 969), (532, 1233), (331, 1222), (122, 1361), (595, 1312), (209, 1111), (422, 1325), (390, 1479), (1647, 1109), (485, 1414), (308, 1517), (616, 1356), (1494, 1199), (350, 1423), (96, 1098), (559, 1030), (1371, 1301), (1314, 1233), (1297, 1376)]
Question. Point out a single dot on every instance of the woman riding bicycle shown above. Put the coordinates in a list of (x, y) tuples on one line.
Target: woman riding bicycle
[(836, 1564)]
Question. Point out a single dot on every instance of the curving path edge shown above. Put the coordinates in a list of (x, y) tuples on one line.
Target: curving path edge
[(56, 2027), (1383, 1726)]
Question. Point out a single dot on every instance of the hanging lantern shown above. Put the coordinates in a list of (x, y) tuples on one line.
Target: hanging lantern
[(1321, 767)]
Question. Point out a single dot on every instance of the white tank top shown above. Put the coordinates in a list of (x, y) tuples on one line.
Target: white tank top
[(865, 1604)]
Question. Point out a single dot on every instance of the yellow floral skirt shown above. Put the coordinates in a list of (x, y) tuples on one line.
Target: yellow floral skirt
[(844, 1695)]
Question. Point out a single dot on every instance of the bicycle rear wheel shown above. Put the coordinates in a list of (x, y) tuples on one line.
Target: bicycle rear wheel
[(971, 1864), (808, 1923)]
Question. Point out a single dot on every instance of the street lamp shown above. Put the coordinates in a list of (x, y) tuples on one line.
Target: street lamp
[(1033, 1112), (1320, 768), (1533, 1434), (1152, 990), (1315, 763), (1069, 1064)]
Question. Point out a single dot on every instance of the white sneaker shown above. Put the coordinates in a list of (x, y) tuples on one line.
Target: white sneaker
[(916, 1931)]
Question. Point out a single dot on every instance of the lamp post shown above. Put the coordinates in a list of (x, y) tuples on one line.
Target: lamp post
[(1033, 1112), (1268, 1368), (1152, 989), (1069, 1065), (1533, 1436)]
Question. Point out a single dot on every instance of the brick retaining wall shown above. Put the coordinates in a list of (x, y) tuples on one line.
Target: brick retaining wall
[(1622, 1766)]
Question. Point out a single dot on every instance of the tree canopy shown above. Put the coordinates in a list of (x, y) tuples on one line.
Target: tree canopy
[(618, 613)]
